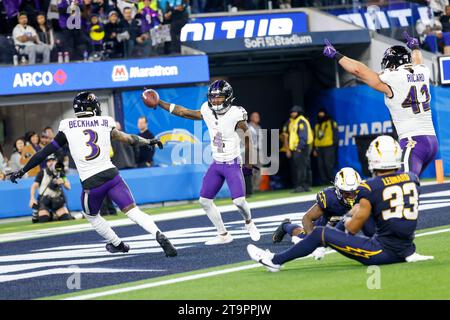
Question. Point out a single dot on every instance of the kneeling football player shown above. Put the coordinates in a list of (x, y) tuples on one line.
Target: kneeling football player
[(391, 197)]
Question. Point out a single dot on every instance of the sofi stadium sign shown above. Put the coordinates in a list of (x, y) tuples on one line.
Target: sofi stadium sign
[(244, 26), (105, 74)]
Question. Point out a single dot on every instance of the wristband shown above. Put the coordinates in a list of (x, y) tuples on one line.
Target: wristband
[(338, 56), (172, 107)]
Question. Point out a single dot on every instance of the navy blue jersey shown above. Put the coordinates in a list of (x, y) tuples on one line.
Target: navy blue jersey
[(331, 205), (395, 200)]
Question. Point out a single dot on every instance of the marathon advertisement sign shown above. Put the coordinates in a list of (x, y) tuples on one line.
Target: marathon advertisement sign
[(104, 74), (244, 26), (296, 40), (373, 17)]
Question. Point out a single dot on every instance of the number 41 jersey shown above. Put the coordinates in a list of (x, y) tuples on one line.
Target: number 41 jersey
[(394, 199), (89, 142), (410, 106)]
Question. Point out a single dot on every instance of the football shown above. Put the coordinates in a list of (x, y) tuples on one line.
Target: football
[(150, 98)]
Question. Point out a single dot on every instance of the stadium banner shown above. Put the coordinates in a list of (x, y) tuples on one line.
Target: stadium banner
[(361, 110), (45, 78), (373, 17), (145, 184), (444, 70), (296, 40), (244, 26)]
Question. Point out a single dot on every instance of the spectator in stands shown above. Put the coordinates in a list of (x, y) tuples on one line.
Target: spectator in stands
[(31, 8), (177, 13), (124, 155), (90, 8), (198, 6), (45, 31), (257, 144), (298, 142), (145, 154), (430, 32), (149, 18), (438, 6), (133, 36), (3, 161), (326, 142), (51, 199), (113, 47), (123, 4), (284, 4), (14, 162), (445, 21), (27, 41), (96, 33), (32, 146)]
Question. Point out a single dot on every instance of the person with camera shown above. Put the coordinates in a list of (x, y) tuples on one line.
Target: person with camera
[(51, 198)]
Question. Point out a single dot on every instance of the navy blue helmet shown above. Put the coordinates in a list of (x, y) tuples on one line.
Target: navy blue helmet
[(220, 88), (86, 104), (395, 56)]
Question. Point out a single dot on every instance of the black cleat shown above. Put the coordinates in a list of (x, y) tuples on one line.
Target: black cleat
[(122, 247), (279, 233), (168, 248)]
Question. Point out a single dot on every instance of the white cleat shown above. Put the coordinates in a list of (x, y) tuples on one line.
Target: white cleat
[(415, 257), (319, 253), (219, 239), (295, 239), (254, 233), (264, 257)]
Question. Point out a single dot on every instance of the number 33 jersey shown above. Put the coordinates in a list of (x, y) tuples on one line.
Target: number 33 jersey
[(225, 141), (395, 200), (410, 106), (89, 142)]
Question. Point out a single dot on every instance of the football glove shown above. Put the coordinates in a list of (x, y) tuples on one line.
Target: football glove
[(412, 43), (153, 142), (16, 175)]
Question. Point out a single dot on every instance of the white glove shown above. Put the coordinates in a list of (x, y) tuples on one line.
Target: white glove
[(319, 253)]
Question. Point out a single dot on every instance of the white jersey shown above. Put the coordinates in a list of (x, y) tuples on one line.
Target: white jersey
[(89, 142), (410, 105), (225, 142)]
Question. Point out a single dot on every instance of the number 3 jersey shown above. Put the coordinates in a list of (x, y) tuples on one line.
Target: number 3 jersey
[(225, 141), (89, 142), (394, 199), (410, 104)]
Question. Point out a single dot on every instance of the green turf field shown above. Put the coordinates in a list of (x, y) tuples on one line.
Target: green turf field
[(335, 277)]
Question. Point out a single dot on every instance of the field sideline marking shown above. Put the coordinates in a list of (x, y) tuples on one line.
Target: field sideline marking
[(198, 276)]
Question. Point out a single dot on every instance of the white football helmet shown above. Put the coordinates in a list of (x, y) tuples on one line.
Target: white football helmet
[(384, 153), (346, 183)]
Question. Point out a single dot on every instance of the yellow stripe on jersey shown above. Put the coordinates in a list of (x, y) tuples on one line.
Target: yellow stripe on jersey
[(323, 199), (356, 251), (365, 185)]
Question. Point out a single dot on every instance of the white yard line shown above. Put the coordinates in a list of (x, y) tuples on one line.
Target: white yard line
[(32, 234), (197, 276)]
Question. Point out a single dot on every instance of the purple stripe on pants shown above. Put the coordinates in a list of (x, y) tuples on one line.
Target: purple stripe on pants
[(217, 173), (116, 189), (418, 152)]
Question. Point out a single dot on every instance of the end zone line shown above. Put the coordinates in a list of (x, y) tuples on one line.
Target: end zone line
[(199, 276)]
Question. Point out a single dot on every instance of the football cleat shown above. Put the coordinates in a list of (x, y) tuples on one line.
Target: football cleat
[(219, 239), (166, 245), (415, 257), (319, 253), (264, 257), (279, 233), (122, 247), (254, 233)]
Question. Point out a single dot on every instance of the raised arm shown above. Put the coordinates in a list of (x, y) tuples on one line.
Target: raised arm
[(133, 139), (181, 111), (358, 69), (413, 44)]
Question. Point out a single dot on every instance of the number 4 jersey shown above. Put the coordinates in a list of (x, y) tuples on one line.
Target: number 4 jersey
[(394, 199), (89, 142), (410, 104)]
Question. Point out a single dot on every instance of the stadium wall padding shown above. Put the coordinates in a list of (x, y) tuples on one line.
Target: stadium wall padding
[(361, 110), (148, 185)]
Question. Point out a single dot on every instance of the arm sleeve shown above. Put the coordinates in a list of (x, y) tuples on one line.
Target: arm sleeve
[(321, 200), (39, 177), (58, 142)]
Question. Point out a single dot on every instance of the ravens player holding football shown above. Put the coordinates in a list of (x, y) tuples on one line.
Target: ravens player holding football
[(89, 137), (224, 120), (405, 82), (391, 198)]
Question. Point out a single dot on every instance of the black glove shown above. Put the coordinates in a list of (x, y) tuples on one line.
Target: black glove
[(16, 175), (153, 142)]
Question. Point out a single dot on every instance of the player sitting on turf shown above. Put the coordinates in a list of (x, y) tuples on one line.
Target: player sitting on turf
[(390, 197), (89, 137), (223, 120), (405, 82)]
